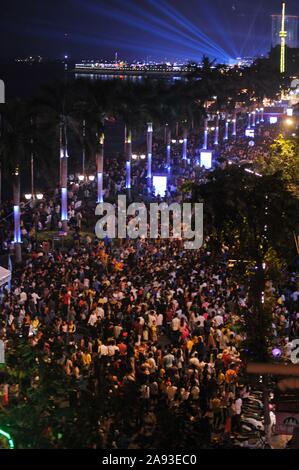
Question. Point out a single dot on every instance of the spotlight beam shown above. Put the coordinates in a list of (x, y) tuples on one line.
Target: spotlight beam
[(169, 26), (144, 26), (176, 16)]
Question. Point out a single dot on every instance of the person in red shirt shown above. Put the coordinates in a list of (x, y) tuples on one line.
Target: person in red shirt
[(122, 348)]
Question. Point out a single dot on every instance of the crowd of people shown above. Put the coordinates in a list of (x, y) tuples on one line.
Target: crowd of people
[(164, 322)]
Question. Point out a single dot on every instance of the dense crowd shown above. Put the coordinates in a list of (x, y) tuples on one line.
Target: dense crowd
[(146, 313)]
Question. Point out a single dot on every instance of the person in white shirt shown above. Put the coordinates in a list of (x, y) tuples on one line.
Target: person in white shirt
[(171, 391), (92, 321), (194, 361), (23, 298), (175, 324), (100, 312), (218, 319), (35, 297), (103, 350), (112, 349), (237, 411)]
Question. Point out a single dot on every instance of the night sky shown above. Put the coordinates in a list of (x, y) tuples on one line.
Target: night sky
[(156, 29)]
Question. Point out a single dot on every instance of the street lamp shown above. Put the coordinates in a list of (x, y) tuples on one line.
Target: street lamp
[(91, 178), (289, 122), (38, 196), (81, 177)]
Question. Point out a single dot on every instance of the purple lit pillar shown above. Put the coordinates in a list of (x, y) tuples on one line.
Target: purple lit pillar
[(262, 115), (253, 118), (227, 121), (128, 154), (234, 121), (185, 144), (168, 151), (258, 116), (83, 150), (63, 177), (216, 140), (249, 121), (100, 168), (205, 135), (149, 154), (17, 215)]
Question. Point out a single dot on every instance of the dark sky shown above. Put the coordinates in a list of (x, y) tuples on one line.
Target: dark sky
[(170, 29)]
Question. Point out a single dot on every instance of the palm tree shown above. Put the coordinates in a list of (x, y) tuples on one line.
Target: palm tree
[(132, 110), (14, 147), (55, 117)]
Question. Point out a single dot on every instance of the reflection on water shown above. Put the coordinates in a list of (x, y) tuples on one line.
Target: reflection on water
[(132, 78)]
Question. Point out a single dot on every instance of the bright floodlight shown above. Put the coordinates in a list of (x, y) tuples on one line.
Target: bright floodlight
[(134, 156), (143, 157), (289, 122), (91, 178), (273, 119), (81, 178), (39, 196), (28, 197), (206, 159), (160, 185)]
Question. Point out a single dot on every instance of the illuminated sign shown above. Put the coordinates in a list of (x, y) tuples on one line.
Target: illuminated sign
[(160, 185), (206, 159), (273, 120), (249, 133)]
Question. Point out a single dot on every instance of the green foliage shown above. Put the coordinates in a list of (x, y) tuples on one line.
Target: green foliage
[(284, 160), (255, 218)]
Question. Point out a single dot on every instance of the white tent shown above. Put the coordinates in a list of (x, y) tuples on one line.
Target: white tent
[(5, 276)]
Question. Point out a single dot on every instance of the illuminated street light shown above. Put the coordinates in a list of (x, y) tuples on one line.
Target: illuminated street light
[(289, 122), (91, 178), (81, 177), (38, 196)]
